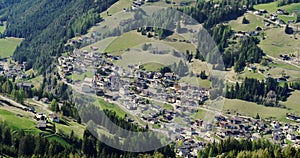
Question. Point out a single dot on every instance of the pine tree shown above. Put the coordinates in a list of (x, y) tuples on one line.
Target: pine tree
[(7, 138)]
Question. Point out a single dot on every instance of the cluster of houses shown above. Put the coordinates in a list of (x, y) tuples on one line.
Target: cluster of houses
[(293, 117), (256, 32), (43, 120), (137, 4), (239, 127), (251, 128), (274, 16), (66, 64), (144, 94), (141, 92), (13, 70), (292, 57)]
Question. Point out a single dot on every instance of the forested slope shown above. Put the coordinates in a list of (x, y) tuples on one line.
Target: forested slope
[(47, 24)]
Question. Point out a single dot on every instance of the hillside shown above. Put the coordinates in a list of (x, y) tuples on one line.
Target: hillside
[(47, 24)]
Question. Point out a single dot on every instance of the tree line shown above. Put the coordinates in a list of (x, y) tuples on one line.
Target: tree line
[(24, 144), (211, 13), (246, 148), (236, 52), (286, 2), (267, 92)]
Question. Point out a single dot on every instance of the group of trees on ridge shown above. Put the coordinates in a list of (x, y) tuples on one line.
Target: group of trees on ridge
[(246, 148), (24, 144)]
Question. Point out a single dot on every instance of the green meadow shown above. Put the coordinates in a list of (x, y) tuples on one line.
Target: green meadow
[(8, 46)]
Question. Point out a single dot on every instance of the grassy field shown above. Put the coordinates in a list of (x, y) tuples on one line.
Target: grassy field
[(8, 46), (143, 57), (37, 81), (78, 129), (168, 107), (204, 115), (251, 74), (2, 28), (251, 109), (275, 46), (293, 102), (18, 123), (59, 140), (109, 106), (152, 66), (196, 81), (100, 44), (286, 18), (290, 70), (77, 77), (127, 40), (254, 21), (181, 46), (272, 7), (117, 7), (133, 38)]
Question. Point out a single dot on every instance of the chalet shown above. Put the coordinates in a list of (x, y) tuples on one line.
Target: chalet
[(291, 21), (40, 116), (93, 48), (54, 118), (44, 100), (279, 22), (280, 11), (41, 124), (257, 12), (100, 92), (36, 98), (284, 57), (171, 99), (236, 120), (261, 70), (254, 33), (263, 11), (293, 117)]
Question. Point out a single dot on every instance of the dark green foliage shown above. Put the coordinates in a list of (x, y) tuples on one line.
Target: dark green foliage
[(295, 85), (253, 90), (189, 56), (288, 30), (232, 148), (210, 14), (165, 70), (221, 33), (181, 68), (298, 17), (245, 50), (203, 75), (245, 21), (286, 2), (46, 25), (21, 144)]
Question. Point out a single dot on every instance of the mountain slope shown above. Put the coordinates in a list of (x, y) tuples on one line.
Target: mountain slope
[(47, 24)]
